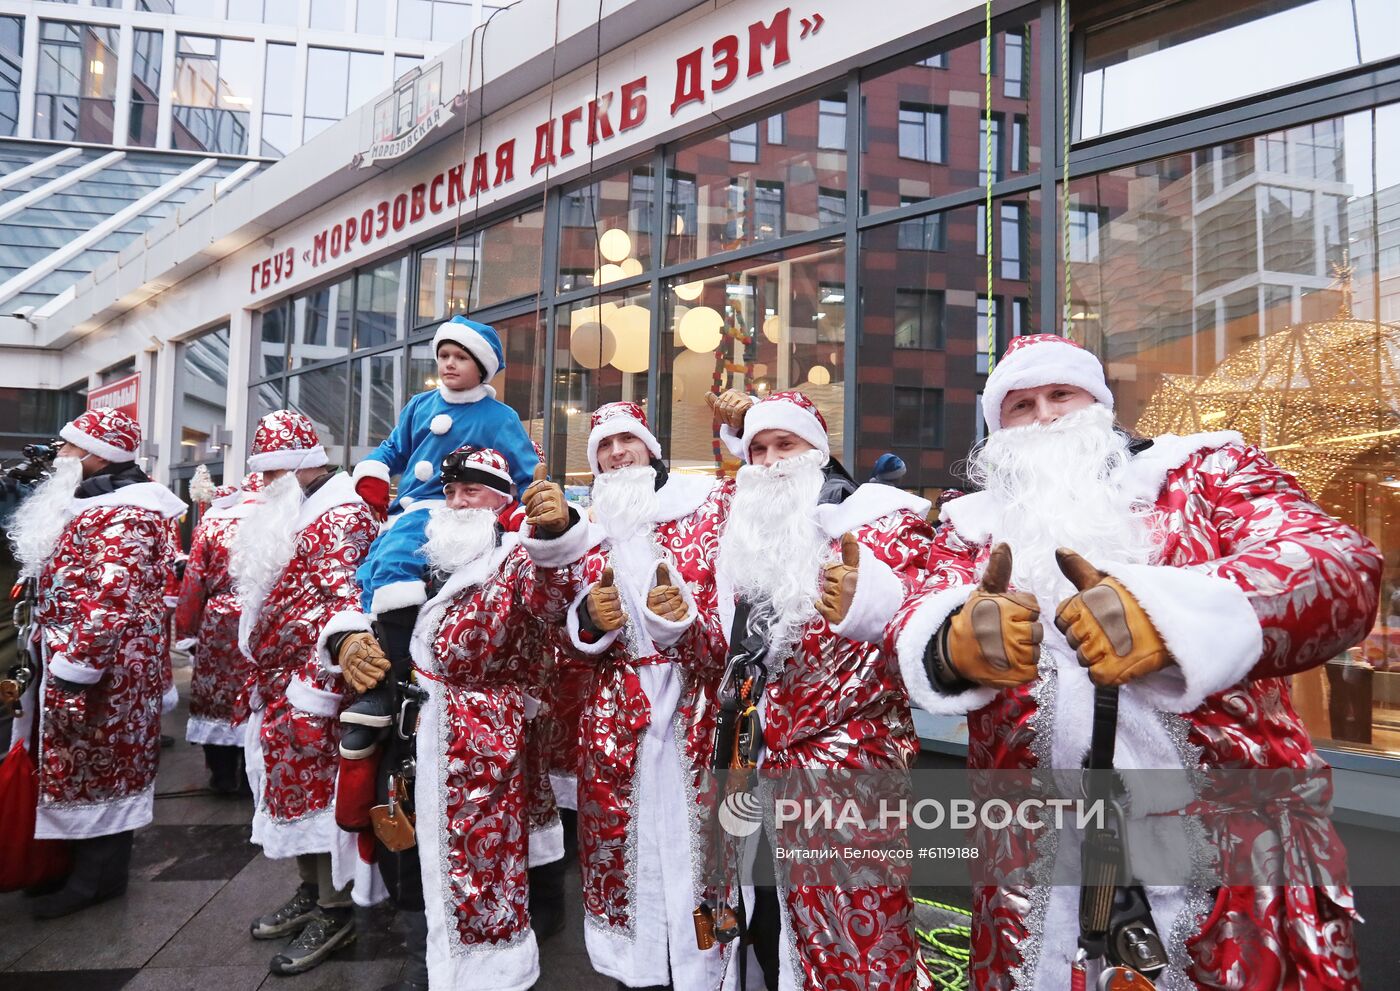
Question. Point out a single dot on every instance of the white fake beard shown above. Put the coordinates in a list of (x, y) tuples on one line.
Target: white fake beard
[(772, 550), (626, 505), (264, 542), (1055, 487), (458, 538), (37, 523)]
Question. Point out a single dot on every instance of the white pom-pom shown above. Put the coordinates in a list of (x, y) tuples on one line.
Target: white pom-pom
[(407, 501), (440, 424), (423, 471)]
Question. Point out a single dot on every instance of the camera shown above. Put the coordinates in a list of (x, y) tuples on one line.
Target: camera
[(37, 463)]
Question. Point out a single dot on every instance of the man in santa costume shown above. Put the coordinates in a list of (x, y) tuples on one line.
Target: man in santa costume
[(293, 561), (206, 623), (471, 800), (833, 698), (1192, 572), (96, 535), (644, 620)]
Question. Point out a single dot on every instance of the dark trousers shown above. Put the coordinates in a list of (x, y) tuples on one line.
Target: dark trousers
[(100, 865)]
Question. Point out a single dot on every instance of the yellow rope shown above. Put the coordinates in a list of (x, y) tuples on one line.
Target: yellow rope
[(948, 962), (1064, 142), (987, 215)]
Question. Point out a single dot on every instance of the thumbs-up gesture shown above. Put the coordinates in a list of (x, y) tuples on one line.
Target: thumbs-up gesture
[(665, 599), (1106, 626), (994, 639), (544, 503), (605, 604), (729, 408), (839, 582)]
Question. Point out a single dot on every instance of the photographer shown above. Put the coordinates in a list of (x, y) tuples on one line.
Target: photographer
[(95, 536)]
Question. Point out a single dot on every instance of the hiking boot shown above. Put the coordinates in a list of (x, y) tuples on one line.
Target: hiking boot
[(288, 919), (328, 930)]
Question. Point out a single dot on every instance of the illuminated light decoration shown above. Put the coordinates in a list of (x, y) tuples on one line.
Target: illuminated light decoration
[(608, 273), (818, 375), (614, 245), (702, 329), (689, 291), (760, 371), (631, 267), (690, 377), (592, 344), (773, 330), (631, 329), (1319, 398)]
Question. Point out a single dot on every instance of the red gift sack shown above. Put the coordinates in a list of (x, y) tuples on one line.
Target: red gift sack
[(24, 861)]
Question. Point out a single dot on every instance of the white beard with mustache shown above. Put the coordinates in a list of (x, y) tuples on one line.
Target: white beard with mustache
[(772, 550), (39, 521), (1055, 486), (264, 542), (458, 538)]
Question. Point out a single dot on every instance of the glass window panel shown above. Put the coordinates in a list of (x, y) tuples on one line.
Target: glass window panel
[(238, 74), (715, 204), (327, 78), (770, 323), (366, 78), (402, 63), (499, 263), (379, 303), (329, 14), (278, 135), (370, 16), (605, 228), (1181, 57), (320, 395), (415, 19), (11, 62), (321, 323), (374, 401), (1017, 65), (922, 135), (743, 144), (452, 19), (262, 400), (77, 82), (190, 8), (313, 126), (279, 86), (203, 385), (273, 341), (1283, 343), (923, 327)]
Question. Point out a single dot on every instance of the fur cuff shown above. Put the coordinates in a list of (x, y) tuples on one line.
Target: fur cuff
[(397, 595), (349, 621), (663, 632), (912, 641), (1206, 622), (879, 594), (186, 644), (169, 700), (310, 699), (547, 843), (572, 623), (60, 666), (369, 468), (566, 549), (733, 443)]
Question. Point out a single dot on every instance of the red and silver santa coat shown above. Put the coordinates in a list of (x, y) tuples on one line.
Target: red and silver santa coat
[(471, 793), (293, 733), (1254, 583), (835, 700), (206, 623), (641, 886), (170, 695), (103, 624)]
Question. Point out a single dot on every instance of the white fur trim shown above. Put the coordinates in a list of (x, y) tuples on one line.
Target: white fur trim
[(566, 549), (338, 491), (308, 698), (1043, 363), (565, 788), (104, 450), (370, 468), (397, 595), (169, 700), (663, 632), (683, 495), (150, 496), (733, 443), (1206, 622), (217, 732), (879, 593), (614, 425), (78, 674), (440, 424), (470, 340), (457, 397), (407, 501), (913, 640), (423, 471), (171, 601), (869, 502), (348, 621), (572, 624), (783, 415), (547, 844), (290, 459), (85, 820), (1145, 474), (186, 644)]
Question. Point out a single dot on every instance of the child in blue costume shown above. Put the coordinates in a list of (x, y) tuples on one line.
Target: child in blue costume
[(463, 409)]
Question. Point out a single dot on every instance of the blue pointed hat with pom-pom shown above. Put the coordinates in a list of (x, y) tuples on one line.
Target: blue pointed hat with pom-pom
[(478, 340)]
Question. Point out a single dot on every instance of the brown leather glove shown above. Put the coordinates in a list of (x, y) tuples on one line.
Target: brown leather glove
[(729, 408), (664, 599), (362, 661), (994, 639), (839, 582), (544, 503), (605, 604), (1106, 627)]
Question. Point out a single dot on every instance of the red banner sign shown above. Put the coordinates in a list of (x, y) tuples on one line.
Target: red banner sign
[(123, 394)]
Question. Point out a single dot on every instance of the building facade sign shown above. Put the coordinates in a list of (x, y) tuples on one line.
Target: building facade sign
[(124, 394)]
